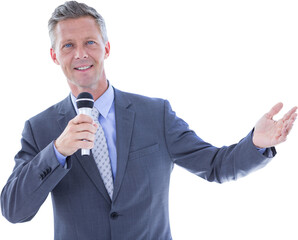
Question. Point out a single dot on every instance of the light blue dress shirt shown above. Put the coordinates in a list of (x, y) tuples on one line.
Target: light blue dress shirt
[(106, 107)]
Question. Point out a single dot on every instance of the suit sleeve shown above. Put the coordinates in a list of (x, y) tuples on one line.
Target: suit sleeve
[(36, 173), (211, 163)]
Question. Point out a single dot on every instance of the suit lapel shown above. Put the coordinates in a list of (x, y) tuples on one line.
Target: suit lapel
[(89, 165), (67, 112), (124, 126)]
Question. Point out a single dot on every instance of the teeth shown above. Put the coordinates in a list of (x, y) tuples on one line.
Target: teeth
[(83, 68)]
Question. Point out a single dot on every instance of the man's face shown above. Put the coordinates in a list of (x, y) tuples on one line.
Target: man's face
[(80, 51)]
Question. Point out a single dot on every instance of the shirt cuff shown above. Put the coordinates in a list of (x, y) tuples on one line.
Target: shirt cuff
[(261, 150), (61, 158)]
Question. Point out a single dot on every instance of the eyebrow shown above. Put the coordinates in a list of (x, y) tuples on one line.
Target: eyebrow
[(67, 40), (86, 38)]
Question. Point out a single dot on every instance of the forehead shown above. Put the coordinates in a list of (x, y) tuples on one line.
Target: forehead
[(77, 27)]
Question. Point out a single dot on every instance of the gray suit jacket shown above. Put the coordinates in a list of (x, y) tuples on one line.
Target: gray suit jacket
[(150, 140)]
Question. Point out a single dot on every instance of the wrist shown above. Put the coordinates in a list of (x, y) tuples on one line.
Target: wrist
[(58, 149), (60, 157)]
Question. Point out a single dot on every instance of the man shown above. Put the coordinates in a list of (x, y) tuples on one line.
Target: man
[(144, 139)]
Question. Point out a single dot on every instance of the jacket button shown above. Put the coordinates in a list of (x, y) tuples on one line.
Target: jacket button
[(114, 215)]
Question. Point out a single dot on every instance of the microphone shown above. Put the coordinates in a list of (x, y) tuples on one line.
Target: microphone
[(85, 104)]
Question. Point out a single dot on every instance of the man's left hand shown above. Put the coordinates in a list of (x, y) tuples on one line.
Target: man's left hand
[(268, 132)]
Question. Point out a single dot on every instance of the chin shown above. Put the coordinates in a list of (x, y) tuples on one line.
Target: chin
[(84, 84)]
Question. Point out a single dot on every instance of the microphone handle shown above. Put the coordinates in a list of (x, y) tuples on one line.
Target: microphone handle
[(86, 111)]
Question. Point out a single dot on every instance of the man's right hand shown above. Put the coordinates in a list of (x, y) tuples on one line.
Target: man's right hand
[(79, 133)]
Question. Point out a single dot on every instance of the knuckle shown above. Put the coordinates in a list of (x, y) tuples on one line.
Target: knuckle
[(94, 129), (86, 136), (85, 118), (71, 128), (86, 144)]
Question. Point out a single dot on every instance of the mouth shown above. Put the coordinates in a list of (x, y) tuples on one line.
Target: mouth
[(84, 68)]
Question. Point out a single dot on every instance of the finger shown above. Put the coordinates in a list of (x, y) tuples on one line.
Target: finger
[(84, 144), (274, 110), (290, 114), (82, 118), (286, 130), (279, 128), (85, 136), (289, 125), (290, 122), (281, 139), (293, 117), (86, 127), (95, 125)]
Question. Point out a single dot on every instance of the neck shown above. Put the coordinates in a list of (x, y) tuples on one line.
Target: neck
[(95, 91)]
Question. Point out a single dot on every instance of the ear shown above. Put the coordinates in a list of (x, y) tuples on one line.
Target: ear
[(54, 56), (107, 50)]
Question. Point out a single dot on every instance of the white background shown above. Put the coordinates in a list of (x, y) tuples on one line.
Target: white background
[(221, 64)]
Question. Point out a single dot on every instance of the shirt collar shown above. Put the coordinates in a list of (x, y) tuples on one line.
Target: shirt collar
[(103, 104)]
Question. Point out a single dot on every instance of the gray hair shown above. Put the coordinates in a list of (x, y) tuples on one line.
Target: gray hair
[(73, 9)]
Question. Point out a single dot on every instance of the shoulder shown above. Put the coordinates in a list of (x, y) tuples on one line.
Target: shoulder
[(137, 100), (53, 111)]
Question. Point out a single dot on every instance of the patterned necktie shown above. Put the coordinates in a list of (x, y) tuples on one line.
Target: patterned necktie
[(101, 155)]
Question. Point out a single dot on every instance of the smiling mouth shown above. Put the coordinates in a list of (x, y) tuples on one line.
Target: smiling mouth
[(83, 68)]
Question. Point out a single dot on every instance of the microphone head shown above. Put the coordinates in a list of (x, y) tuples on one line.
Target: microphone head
[(85, 100)]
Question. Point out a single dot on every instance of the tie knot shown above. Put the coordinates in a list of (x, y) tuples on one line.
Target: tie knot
[(95, 114)]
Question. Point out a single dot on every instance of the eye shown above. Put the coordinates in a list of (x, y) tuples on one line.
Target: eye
[(68, 45), (90, 42)]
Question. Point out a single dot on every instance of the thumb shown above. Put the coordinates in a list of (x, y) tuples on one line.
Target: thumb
[(274, 110)]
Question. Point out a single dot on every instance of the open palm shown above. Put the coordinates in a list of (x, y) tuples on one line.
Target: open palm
[(268, 132)]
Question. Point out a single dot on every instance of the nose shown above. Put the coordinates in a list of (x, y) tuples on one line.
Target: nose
[(81, 53)]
